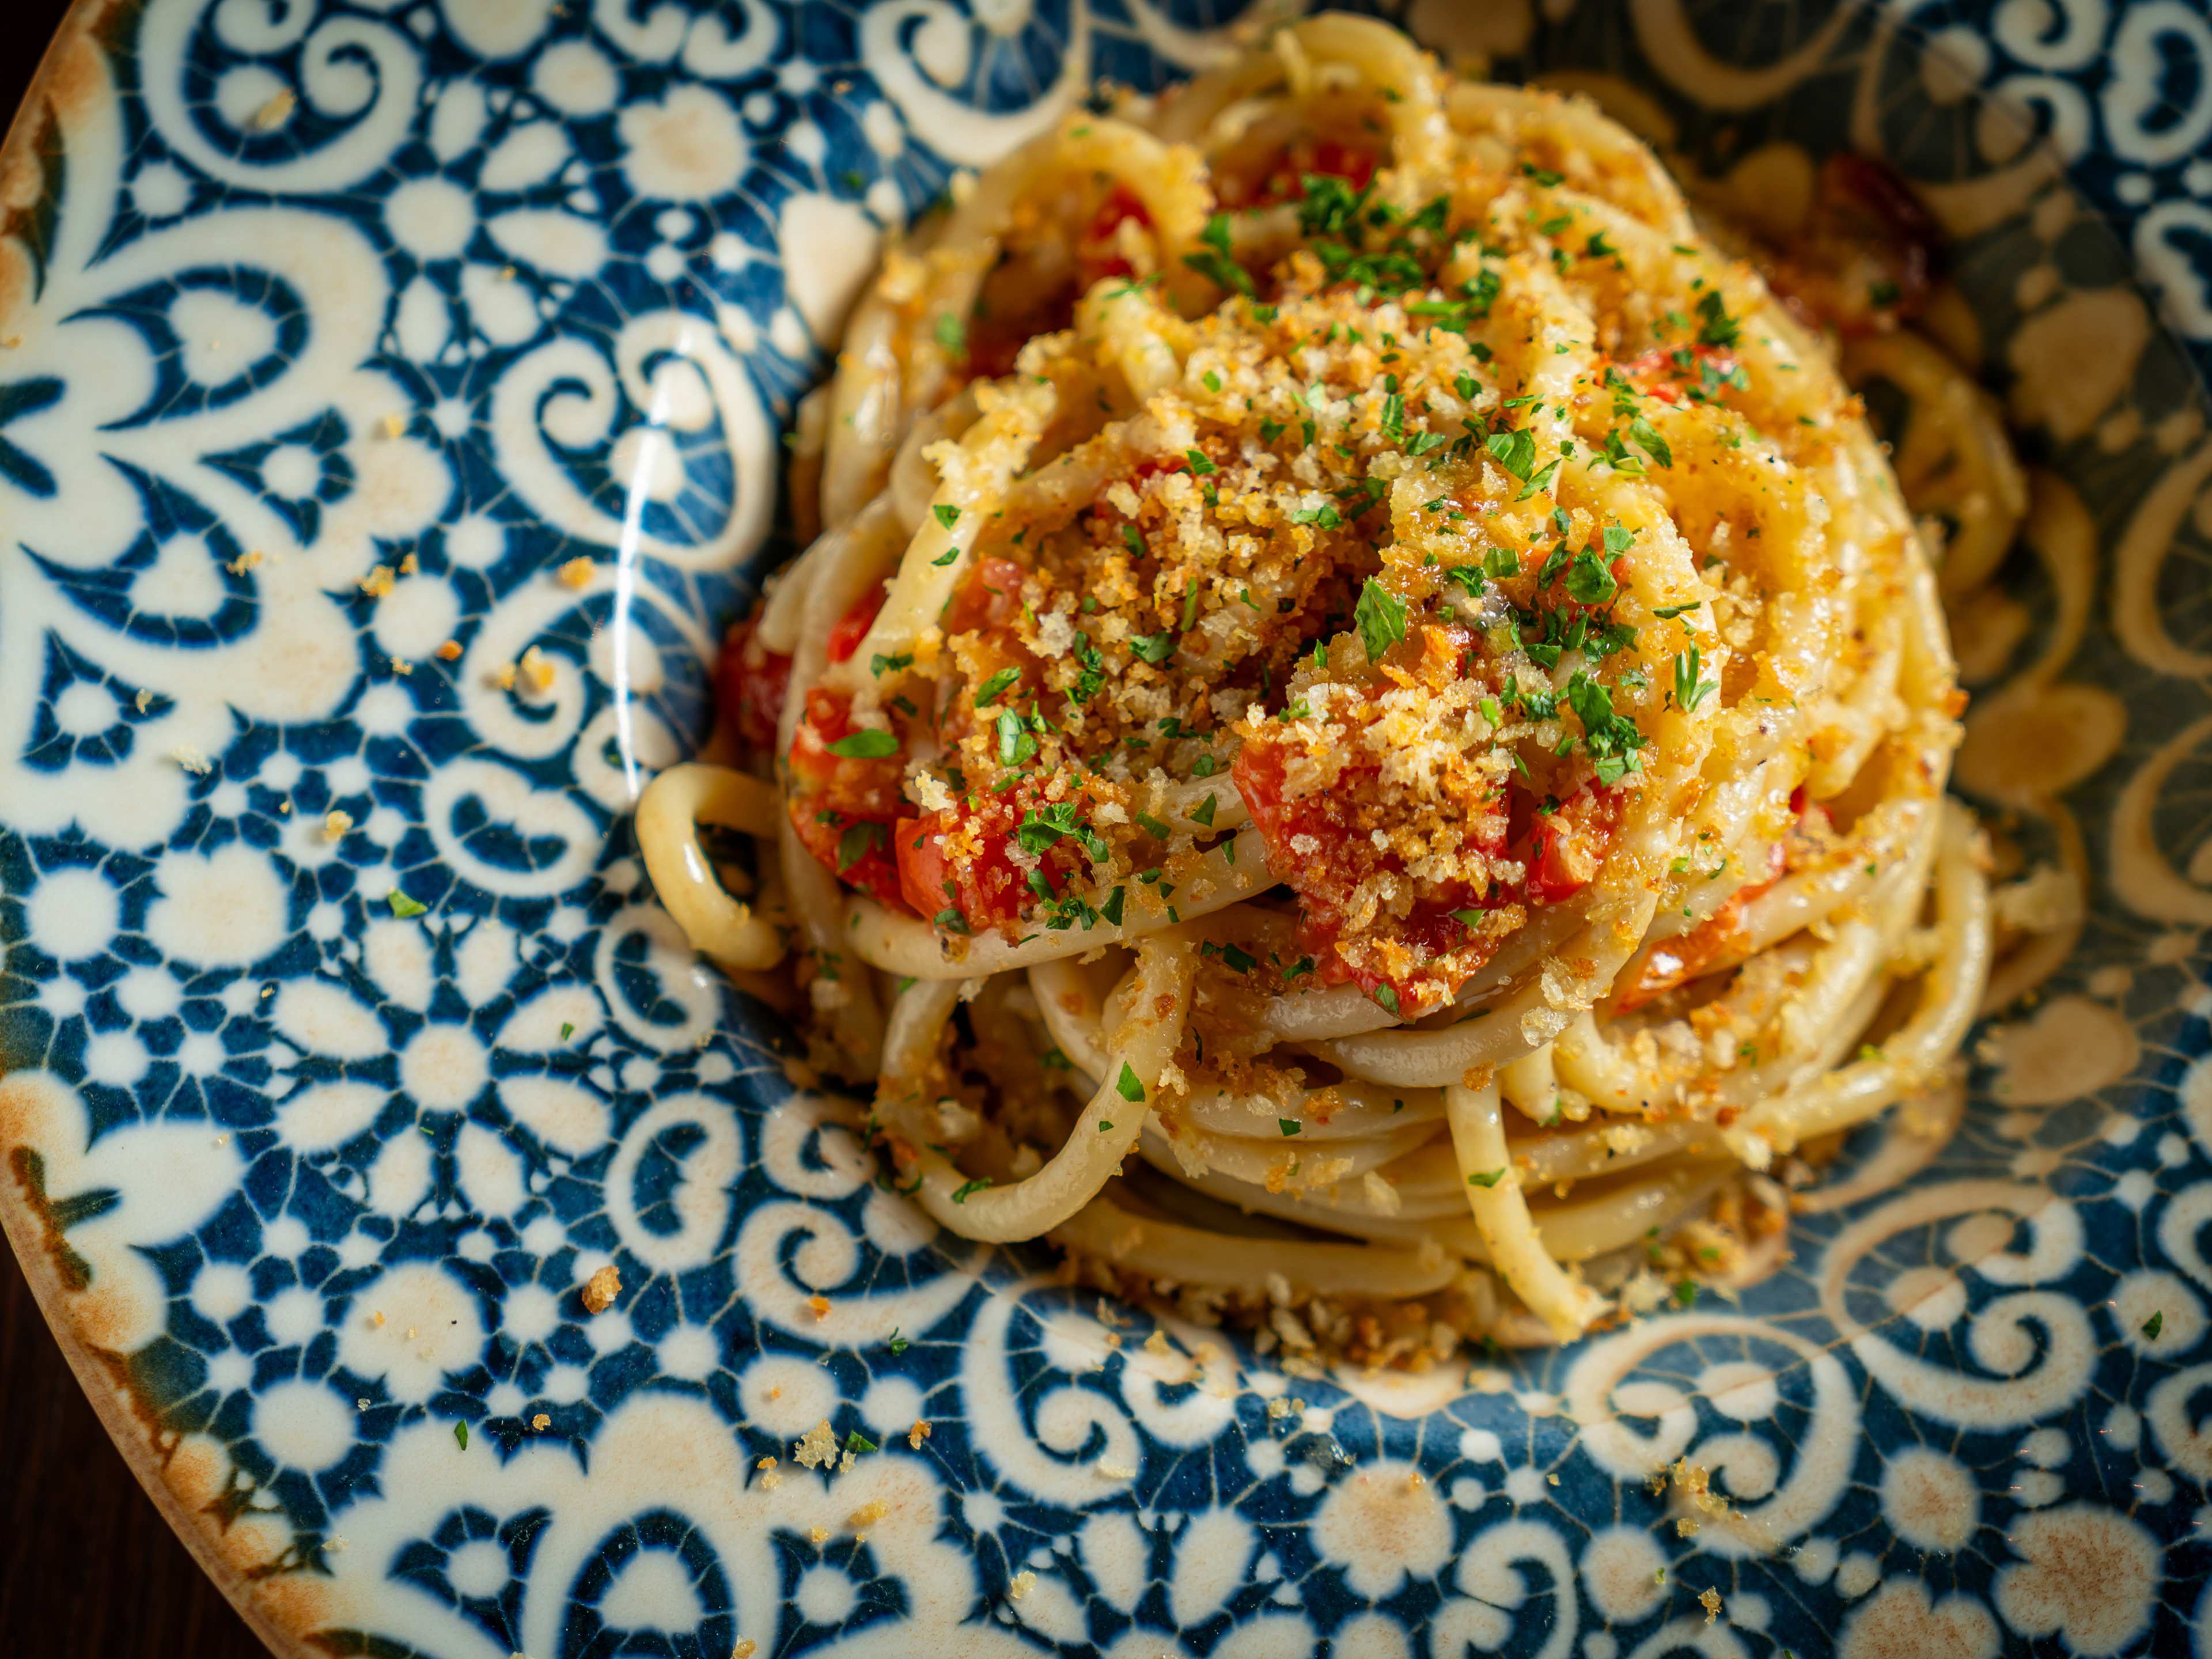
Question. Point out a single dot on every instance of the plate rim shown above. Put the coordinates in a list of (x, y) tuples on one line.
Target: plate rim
[(28, 125)]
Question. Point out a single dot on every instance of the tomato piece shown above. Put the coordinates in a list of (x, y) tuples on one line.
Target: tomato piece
[(1099, 251), (849, 630), (1685, 957), (989, 598), (919, 845), (939, 869), (1321, 843), (1866, 256), (1429, 934), (1354, 163), (1284, 179), (1662, 371), (1257, 772), (843, 806), (749, 682), (1563, 848)]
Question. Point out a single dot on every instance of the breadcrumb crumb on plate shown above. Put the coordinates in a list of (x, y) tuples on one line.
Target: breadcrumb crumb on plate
[(601, 1289)]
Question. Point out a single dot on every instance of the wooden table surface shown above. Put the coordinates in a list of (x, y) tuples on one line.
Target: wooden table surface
[(87, 1569)]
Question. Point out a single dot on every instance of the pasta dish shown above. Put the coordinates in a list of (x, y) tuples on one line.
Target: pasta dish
[(1362, 744)]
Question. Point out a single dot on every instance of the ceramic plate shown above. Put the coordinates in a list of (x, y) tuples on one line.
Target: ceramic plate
[(343, 1040)]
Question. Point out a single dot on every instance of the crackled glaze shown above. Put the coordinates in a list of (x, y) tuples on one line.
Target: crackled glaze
[(333, 332)]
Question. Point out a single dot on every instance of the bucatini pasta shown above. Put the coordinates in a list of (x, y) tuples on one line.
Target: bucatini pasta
[(1363, 740)]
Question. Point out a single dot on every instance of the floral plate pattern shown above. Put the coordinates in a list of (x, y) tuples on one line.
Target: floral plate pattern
[(344, 1041)]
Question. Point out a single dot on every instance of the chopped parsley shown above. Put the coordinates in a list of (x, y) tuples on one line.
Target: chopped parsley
[(1514, 451), (1128, 1084), (1589, 580), (1715, 326), (859, 841), (1154, 648), (1611, 738), (1380, 616), (402, 907), (1689, 689), (1215, 263), (1042, 829), (872, 744)]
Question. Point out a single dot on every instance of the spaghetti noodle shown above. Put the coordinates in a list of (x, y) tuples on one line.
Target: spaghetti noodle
[(1363, 743)]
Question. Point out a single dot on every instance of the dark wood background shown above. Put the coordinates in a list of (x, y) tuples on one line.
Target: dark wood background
[(89, 1570)]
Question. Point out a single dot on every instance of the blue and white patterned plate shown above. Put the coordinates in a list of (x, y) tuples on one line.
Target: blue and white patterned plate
[(334, 330)]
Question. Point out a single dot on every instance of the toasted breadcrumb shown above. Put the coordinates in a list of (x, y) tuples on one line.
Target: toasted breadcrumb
[(817, 1449), (601, 1289)]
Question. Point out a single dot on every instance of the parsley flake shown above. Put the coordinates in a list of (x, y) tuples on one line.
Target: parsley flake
[(872, 744), (1380, 616)]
